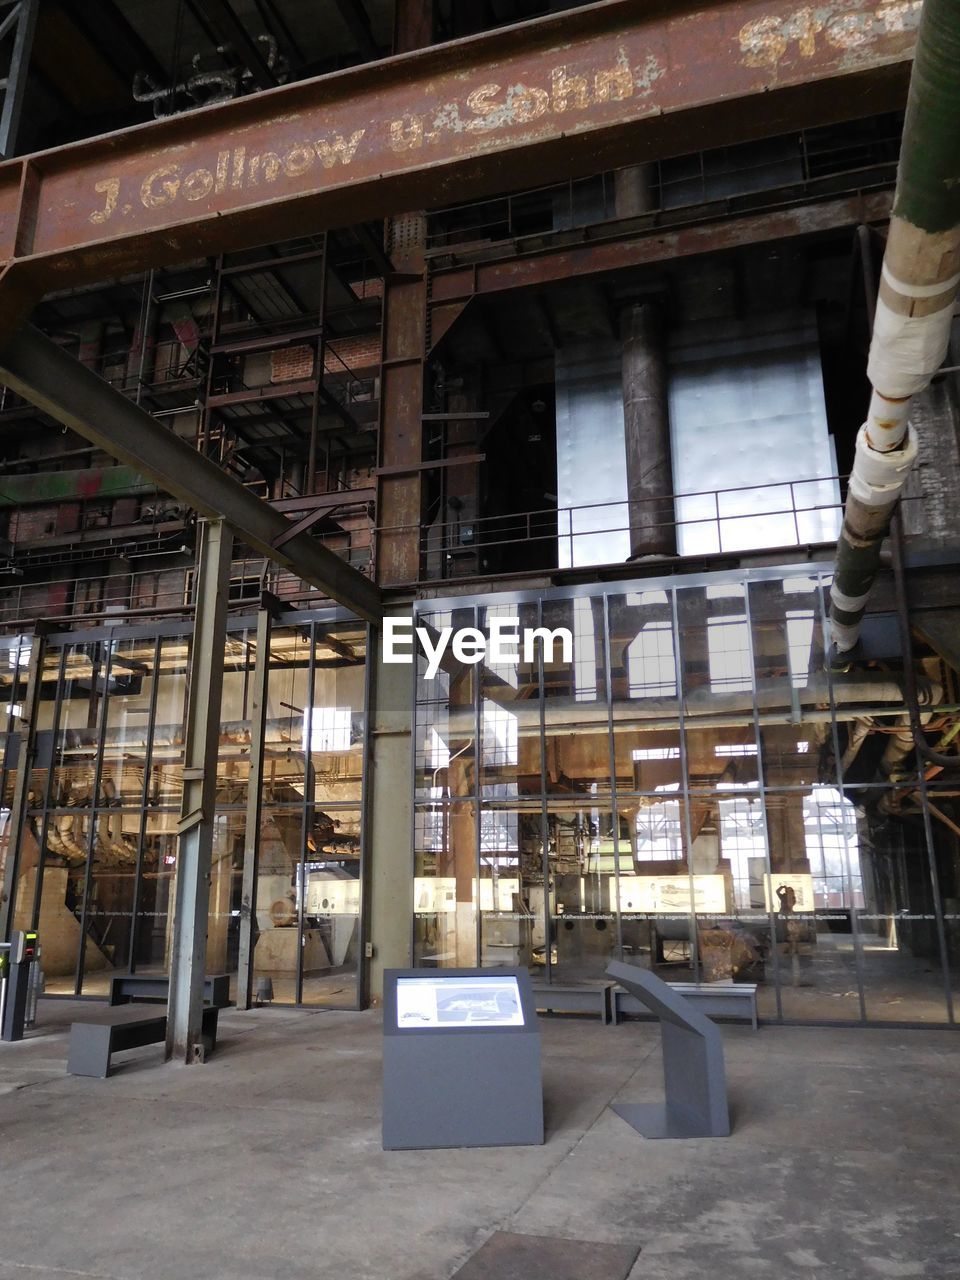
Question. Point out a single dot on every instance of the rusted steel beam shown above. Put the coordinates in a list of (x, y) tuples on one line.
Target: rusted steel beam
[(437, 464), (451, 287), (399, 484), (616, 83), (36, 368)]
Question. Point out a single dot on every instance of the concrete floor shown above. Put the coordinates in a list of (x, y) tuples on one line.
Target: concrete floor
[(266, 1162)]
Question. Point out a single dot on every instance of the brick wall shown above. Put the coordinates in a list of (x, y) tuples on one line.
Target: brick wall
[(360, 353), (291, 364)]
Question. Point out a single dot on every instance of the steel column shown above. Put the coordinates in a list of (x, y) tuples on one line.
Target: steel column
[(21, 785), (36, 368), (251, 839), (412, 25), (200, 752)]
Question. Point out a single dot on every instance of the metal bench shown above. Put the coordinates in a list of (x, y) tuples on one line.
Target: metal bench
[(736, 1000), (556, 998), (127, 988), (95, 1038)]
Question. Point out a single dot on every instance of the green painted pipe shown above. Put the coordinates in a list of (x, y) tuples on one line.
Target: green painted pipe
[(918, 289)]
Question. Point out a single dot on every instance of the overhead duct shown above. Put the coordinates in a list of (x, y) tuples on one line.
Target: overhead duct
[(918, 288)]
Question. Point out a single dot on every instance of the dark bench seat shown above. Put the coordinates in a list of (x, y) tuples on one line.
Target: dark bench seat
[(126, 988), (555, 997), (93, 1039), (736, 1000)]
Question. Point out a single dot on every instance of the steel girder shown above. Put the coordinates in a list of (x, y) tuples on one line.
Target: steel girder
[(35, 367), (612, 84)]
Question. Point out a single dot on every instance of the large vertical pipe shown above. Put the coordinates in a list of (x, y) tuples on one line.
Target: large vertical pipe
[(647, 432), (918, 289)]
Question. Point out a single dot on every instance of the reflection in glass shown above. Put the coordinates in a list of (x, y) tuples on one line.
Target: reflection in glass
[(444, 887), (576, 732)]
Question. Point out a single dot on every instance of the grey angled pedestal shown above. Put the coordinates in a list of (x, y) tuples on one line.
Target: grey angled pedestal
[(695, 1104)]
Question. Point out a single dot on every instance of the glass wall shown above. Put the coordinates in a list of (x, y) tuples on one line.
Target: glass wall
[(308, 895), (680, 783), (98, 851)]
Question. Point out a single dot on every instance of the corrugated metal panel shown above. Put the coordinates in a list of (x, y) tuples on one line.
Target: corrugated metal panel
[(591, 462), (745, 410)]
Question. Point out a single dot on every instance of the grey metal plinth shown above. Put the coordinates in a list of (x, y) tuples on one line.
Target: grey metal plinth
[(694, 1078), (449, 1080)]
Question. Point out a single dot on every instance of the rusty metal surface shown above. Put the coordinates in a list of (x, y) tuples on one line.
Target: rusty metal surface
[(399, 482), (36, 368), (451, 286), (577, 92)]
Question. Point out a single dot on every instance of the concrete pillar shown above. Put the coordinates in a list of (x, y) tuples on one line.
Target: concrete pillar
[(388, 880), (647, 432), (200, 753)]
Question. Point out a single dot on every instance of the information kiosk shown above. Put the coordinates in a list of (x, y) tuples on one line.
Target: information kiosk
[(461, 1059)]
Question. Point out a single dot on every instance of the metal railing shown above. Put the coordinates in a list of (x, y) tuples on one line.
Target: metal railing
[(155, 593), (704, 522)]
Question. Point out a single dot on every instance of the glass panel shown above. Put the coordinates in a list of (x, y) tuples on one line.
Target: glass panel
[(584, 846), (510, 706), (511, 882), (717, 687), (166, 763), (792, 701), (127, 735), (654, 888), (576, 729), (226, 874), (814, 889), (646, 725), (108, 916), (284, 763), (276, 935), (446, 848), (75, 747), (331, 911), (337, 714), (233, 761), (156, 898), (444, 886), (896, 912), (446, 716)]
